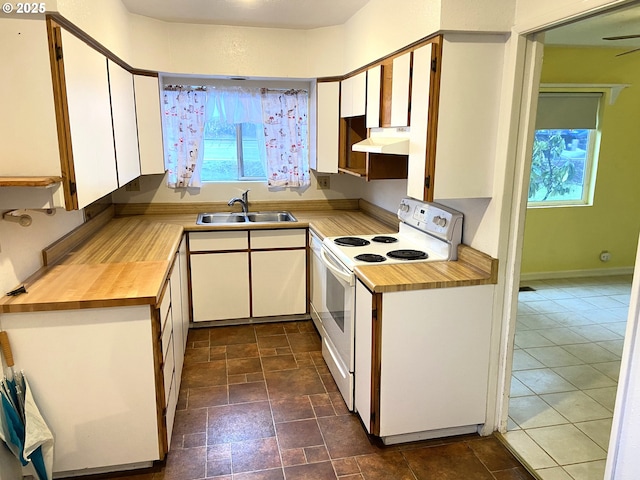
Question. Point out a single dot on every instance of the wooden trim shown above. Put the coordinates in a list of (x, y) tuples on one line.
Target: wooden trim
[(432, 130), (29, 181), (54, 252), (124, 209), (62, 114), (156, 339), (386, 85), (376, 361)]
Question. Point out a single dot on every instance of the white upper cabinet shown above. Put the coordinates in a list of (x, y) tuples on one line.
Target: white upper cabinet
[(149, 123), (28, 132), (89, 110), (467, 115), (353, 95), (327, 129), (374, 91), (400, 84), (419, 135), (123, 111)]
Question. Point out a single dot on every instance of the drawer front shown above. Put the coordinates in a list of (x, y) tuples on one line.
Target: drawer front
[(284, 238), (165, 303), (215, 241), (167, 329), (168, 368)]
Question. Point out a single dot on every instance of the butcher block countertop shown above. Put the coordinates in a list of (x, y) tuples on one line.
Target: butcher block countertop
[(125, 261)]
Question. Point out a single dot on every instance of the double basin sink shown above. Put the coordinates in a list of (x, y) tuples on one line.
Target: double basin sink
[(251, 217)]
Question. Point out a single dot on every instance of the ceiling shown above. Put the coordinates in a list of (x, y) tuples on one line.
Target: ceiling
[(589, 32), (296, 14), (307, 14)]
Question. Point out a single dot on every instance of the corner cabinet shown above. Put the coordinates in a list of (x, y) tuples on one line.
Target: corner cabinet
[(111, 376), (75, 108), (248, 273), (422, 373)]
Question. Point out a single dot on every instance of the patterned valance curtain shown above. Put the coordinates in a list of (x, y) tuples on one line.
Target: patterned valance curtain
[(283, 114), (184, 110), (286, 137)]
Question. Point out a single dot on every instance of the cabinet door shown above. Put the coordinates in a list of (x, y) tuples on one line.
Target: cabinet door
[(419, 135), (374, 85), (149, 121), (279, 282), (353, 96), (28, 124), (123, 112), (400, 90), (220, 286), (327, 127), (363, 361), (89, 120)]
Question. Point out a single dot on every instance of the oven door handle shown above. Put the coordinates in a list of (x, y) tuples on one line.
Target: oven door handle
[(346, 276)]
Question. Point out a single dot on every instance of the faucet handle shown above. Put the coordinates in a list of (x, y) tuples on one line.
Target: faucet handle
[(245, 195)]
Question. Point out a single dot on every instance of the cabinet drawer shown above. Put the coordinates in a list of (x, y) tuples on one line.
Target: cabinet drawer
[(212, 241), (285, 238), (170, 414), (168, 368), (167, 329), (165, 303)]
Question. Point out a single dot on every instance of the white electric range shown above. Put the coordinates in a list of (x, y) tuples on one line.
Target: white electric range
[(428, 232)]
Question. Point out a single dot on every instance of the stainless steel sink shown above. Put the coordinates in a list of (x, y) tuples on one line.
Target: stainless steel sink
[(271, 217), (207, 218), (252, 217)]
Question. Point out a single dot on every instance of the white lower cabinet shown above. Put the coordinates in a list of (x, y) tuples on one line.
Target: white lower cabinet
[(109, 386), (422, 361), (220, 285), (278, 280), (248, 273)]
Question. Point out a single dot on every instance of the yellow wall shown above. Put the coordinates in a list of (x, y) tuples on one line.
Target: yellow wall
[(571, 238)]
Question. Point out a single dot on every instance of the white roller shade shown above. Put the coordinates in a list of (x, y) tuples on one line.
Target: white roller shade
[(567, 110)]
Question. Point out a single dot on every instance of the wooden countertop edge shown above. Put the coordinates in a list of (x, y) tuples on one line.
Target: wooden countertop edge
[(79, 304), (478, 269)]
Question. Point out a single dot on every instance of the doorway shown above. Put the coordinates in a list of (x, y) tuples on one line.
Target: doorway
[(570, 327)]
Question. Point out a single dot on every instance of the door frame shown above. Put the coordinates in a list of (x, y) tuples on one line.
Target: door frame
[(524, 55)]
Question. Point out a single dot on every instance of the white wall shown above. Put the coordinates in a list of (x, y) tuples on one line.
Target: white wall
[(21, 247)]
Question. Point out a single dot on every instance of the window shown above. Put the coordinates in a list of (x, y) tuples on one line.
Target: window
[(564, 156), (222, 131), (231, 153)]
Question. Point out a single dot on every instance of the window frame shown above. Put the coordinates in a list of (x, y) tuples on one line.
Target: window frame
[(271, 83), (593, 152)]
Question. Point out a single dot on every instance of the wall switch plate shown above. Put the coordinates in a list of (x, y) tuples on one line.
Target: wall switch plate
[(323, 182), (133, 185)]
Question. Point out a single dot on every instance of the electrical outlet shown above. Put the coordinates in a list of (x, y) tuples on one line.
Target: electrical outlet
[(605, 256), (133, 185), (323, 182)]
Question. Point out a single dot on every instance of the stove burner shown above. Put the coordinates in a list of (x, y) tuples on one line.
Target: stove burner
[(370, 257), (384, 239), (351, 242), (407, 254)]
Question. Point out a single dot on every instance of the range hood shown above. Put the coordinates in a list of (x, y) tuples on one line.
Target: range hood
[(393, 141)]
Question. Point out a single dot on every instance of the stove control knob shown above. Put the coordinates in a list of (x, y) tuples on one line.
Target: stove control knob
[(440, 221), (404, 207)]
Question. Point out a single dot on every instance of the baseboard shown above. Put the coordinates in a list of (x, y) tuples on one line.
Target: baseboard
[(598, 272)]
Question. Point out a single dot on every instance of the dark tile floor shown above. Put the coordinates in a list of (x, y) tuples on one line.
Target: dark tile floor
[(257, 402)]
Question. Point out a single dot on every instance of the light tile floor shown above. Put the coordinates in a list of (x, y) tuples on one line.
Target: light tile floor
[(566, 363)]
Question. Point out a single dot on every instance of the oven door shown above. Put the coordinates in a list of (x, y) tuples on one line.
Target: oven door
[(338, 323)]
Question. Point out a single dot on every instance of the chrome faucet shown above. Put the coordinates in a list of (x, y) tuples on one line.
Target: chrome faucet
[(244, 201)]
